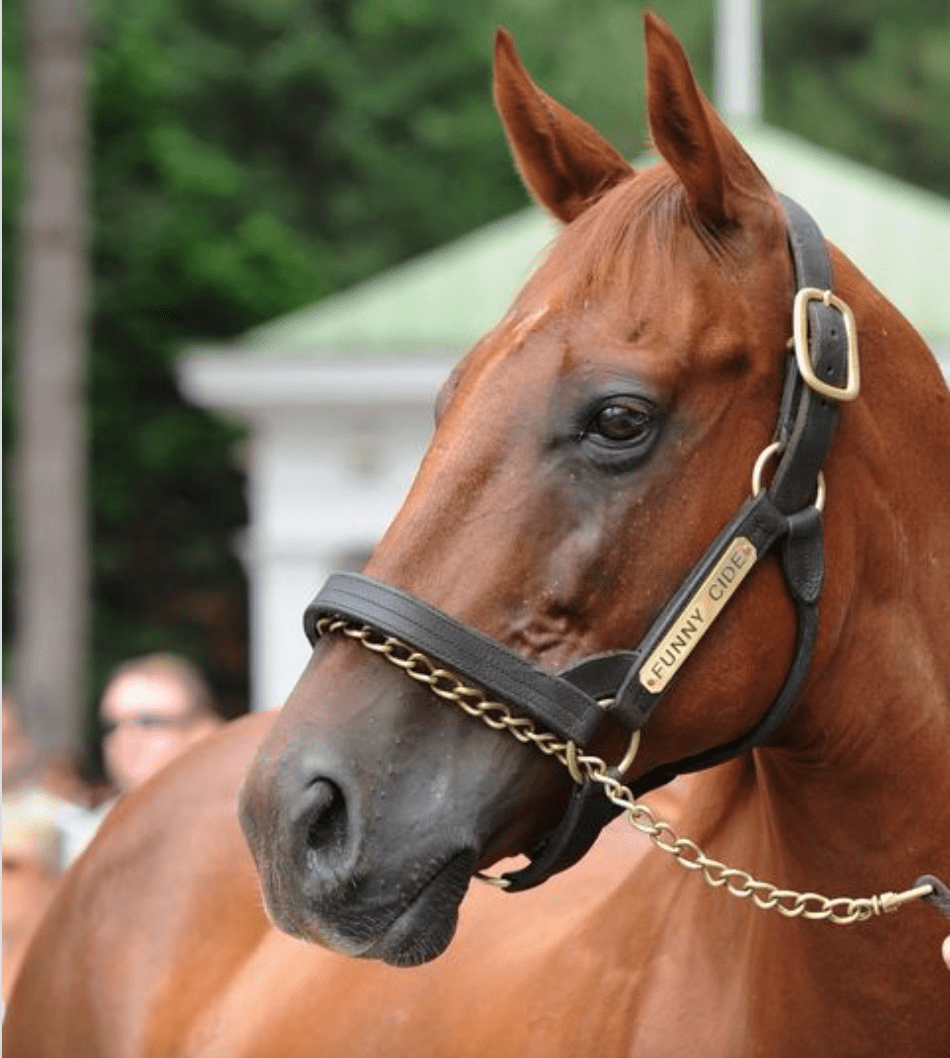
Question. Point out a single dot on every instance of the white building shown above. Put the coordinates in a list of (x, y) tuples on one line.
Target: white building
[(338, 397)]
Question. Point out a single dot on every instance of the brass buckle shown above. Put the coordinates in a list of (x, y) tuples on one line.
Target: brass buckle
[(852, 387)]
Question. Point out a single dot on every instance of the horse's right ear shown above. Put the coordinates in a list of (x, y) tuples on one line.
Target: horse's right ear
[(688, 132), (565, 163)]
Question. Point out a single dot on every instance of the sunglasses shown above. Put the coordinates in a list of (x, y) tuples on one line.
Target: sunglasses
[(149, 721)]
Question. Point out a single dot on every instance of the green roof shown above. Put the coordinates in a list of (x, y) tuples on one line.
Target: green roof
[(897, 234), (443, 301), (440, 302)]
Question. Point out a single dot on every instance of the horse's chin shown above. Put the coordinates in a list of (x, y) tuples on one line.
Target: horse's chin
[(413, 933), (426, 926)]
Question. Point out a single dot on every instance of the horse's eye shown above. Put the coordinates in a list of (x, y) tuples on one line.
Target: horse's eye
[(623, 421)]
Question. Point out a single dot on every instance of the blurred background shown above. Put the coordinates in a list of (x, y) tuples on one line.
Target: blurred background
[(226, 426)]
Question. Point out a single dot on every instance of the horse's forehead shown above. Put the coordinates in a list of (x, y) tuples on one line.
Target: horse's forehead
[(607, 319), (637, 287), (551, 337), (521, 325), (636, 283)]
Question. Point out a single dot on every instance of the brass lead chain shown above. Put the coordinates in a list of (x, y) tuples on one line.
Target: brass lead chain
[(582, 766)]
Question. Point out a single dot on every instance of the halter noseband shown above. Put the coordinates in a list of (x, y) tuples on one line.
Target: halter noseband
[(628, 685)]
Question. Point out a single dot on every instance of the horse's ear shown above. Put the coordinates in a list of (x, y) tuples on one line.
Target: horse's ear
[(565, 163), (689, 134)]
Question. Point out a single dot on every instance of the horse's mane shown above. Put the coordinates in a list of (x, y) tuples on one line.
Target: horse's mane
[(641, 218), (609, 241)]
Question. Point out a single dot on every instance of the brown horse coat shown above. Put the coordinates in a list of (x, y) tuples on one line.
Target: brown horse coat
[(670, 292)]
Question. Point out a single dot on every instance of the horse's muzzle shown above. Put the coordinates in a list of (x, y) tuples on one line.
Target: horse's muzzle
[(361, 880)]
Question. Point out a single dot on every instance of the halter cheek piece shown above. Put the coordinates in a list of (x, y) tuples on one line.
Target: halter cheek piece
[(628, 685)]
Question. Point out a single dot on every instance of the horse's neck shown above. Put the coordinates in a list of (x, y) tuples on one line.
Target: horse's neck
[(869, 743), (853, 798), (867, 748), (860, 807), (859, 800)]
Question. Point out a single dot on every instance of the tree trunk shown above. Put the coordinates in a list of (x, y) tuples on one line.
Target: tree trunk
[(51, 518)]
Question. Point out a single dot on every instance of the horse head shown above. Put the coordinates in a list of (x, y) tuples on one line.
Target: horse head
[(586, 453)]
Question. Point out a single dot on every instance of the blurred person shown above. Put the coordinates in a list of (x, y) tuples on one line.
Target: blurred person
[(152, 709), (45, 805), (38, 795)]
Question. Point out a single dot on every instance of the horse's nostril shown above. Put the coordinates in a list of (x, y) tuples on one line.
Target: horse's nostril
[(326, 819)]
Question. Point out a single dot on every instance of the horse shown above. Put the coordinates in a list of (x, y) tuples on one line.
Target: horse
[(683, 527)]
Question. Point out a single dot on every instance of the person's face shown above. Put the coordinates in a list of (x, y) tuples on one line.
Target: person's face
[(146, 722)]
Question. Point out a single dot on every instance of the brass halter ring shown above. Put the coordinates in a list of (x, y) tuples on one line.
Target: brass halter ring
[(573, 766), (776, 448)]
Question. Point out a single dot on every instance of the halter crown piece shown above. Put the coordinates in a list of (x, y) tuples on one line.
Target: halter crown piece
[(628, 685)]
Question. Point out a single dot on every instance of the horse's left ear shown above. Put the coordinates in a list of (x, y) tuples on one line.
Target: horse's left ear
[(689, 133), (565, 163)]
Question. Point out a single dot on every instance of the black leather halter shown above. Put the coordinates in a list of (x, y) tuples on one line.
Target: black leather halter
[(821, 372)]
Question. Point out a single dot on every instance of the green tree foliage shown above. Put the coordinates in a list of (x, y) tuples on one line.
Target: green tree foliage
[(252, 156), (866, 78)]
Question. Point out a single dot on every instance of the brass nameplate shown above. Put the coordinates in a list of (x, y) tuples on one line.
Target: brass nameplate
[(698, 614)]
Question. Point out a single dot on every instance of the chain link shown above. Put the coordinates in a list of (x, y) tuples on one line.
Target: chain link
[(497, 715)]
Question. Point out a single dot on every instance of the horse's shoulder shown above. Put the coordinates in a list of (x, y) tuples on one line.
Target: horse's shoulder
[(168, 873)]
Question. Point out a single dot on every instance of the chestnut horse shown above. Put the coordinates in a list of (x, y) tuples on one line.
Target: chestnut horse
[(587, 453)]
